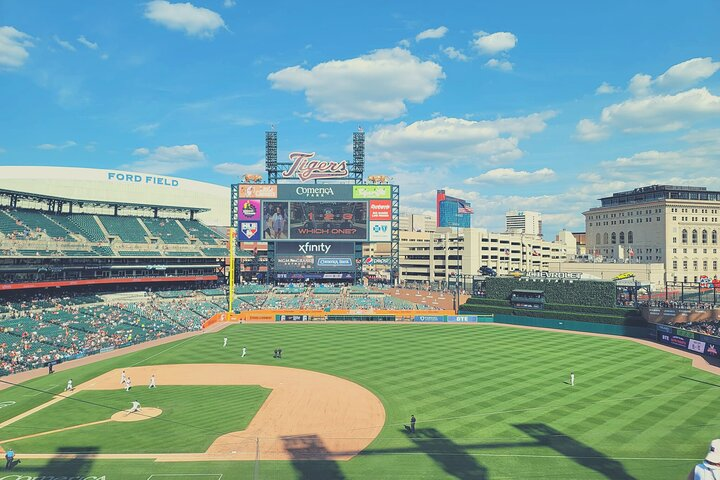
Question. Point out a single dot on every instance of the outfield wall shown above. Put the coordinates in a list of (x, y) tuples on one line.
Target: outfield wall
[(688, 341), (269, 316), (621, 330)]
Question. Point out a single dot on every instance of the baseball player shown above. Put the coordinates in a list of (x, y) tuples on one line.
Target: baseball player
[(123, 377), (224, 342), (152, 381), (135, 408), (572, 379), (128, 384), (244, 352), (69, 387)]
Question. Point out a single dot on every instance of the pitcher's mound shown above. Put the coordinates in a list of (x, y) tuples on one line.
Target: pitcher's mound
[(144, 414)]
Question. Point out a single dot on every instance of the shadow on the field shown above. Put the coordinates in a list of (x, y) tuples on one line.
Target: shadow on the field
[(576, 451), (450, 456), (66, 464), (310, 459)]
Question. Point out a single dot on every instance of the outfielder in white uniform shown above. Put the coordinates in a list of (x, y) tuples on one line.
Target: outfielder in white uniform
[(135, 408), (244, 351), (128, 384), (152, 381), (572, 379), (224, 342)]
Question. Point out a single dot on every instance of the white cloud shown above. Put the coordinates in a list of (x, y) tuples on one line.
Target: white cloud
[(84, 41), (239, 169), (64, 43), (194, 21), (493, 43), (455, 54), (404, 43), (605, 88), (371, 87), (659, 113), (640, 85), (496, 64), (454, 140), (589, 131), (431, 33), (146, 129), (51, 146), (167, 160), (680, 76), (687, 73), (512, 176), (13, 47), (229, 3), (104, 56)]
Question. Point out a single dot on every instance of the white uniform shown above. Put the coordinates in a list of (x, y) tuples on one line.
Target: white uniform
[(152, 382), (572, 379), (135, 407), (224, 341), (128, 384), (69, 386), (244, 351), (704, 471), (123, 377)]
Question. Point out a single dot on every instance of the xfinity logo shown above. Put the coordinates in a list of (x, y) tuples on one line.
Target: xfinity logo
[(315, 191), (308, 247)]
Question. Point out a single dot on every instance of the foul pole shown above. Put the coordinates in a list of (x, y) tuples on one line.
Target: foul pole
[(231, 274)]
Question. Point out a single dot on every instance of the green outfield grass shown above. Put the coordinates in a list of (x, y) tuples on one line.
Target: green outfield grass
[(492, 402)]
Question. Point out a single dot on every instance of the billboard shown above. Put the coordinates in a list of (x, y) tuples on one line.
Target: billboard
[(380, 210), (336, 220), (371, 191), (249, 231), (317, 256), (258, 191), (248, 210), (380, 232)]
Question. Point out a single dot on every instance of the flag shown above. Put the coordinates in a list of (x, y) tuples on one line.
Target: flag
[(535, 253), (464, 208)]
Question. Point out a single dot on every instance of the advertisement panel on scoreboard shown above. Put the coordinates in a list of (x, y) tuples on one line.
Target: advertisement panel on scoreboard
[(317, 256)]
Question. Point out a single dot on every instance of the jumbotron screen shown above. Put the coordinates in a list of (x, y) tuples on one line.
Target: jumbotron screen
[(289, 212)]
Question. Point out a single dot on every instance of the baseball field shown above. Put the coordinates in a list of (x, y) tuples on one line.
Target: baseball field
[(491, 402)]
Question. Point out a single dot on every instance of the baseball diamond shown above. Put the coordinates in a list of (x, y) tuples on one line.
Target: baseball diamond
[(337, 403)]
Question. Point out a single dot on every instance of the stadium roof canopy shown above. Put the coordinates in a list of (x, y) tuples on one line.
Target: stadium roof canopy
[(65, 205)]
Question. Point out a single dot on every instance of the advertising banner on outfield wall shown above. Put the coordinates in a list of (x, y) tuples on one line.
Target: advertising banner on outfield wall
[(430, 318), (462, 318), (686, 340)]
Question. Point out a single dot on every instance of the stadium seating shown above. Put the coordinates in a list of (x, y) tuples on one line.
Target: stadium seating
[(87, 225), (213, 292), (139, 253), (37, 221), (182, 254), (32, 252), (216, 252), (104, 251), (167, 230), (129, 229), (10, 226), (79, 253), (196, 229), (174, 293)]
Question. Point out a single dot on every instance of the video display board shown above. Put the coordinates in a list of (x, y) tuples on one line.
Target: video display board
[(291, 212)]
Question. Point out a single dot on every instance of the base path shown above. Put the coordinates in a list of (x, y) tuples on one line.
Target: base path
[(307, 415)]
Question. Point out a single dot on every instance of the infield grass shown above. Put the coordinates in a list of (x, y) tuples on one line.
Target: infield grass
[(492, 402)]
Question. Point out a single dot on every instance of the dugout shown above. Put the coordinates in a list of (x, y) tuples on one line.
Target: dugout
[(528, 299)]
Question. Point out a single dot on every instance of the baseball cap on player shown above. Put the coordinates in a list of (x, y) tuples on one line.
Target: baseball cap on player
[(714, 452)]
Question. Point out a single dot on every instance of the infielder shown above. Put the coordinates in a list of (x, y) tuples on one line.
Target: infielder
[(135, 408), (152, 381), (123, 377), (69, 387), (128, 384), (244, 352)]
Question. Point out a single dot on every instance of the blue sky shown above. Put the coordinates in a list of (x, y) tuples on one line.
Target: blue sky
[(513, 105)]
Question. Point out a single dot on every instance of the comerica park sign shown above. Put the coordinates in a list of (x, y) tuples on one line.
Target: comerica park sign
[(304, 168)]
